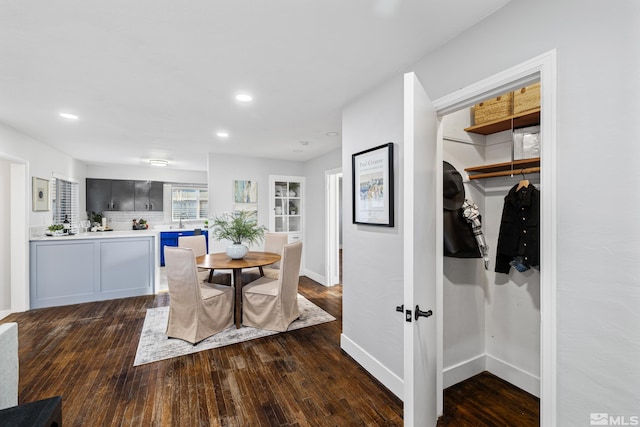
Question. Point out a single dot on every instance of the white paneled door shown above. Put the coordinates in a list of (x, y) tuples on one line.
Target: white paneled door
[(421, 203)]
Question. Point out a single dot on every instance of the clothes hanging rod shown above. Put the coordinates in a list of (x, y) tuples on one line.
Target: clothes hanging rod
[(463, 141)]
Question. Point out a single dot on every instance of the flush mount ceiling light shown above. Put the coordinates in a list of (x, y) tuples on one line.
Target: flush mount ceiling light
[(222, 134), (158, 162), (68, 116), (244, 97)]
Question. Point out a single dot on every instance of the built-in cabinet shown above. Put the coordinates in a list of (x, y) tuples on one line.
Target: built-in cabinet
[(123, 195), (286, 205)]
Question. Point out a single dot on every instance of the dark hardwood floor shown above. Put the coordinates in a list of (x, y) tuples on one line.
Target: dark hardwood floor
[(85, 354), (486, 400)]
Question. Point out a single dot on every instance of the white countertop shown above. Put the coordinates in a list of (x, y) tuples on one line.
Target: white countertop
[(111, 234), (101, 235)]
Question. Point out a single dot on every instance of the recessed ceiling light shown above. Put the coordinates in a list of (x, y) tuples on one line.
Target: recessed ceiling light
[(222, 134), (68, 116), (333, 133), (158, 162), (244, 97)]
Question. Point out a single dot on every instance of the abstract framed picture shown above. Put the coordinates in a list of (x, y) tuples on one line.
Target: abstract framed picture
[(245, 195), (245, 191), (40, 191), (372, 173)]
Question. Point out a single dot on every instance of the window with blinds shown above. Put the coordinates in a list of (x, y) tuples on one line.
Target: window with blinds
[(189, 203), (65, 201)]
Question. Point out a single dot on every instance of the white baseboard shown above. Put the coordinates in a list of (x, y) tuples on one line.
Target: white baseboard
[(485, 362), (4, 313), (457, 373), (516, 376), (314, 276), (373, 366)]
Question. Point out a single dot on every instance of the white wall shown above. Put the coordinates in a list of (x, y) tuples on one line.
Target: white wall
[(224, 169), (598, 339), (372, 272), (144, 173), (43, 162), (315, 231)]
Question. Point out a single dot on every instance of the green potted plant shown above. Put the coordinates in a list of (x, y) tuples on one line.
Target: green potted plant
[(140, 224), (95, 218), (240, 227), (55, 229)]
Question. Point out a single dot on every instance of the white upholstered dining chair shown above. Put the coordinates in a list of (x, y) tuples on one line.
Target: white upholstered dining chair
[(273, 303), (198, 245), (196, 312), (273, 242)]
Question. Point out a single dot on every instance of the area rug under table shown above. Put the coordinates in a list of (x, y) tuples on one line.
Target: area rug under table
[(154, 344)]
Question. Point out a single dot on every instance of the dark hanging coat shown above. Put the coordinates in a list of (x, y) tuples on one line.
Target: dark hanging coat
[(519, 229)]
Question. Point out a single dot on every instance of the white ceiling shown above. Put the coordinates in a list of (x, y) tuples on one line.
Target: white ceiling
[(157, 78)]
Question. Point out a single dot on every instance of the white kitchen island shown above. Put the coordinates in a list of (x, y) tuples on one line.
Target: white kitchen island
[(92, 267)]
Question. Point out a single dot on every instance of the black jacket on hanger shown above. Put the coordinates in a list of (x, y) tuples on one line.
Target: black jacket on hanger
[(519, 229)]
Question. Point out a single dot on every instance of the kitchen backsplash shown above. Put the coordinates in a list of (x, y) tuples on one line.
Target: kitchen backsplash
[(123, 220)]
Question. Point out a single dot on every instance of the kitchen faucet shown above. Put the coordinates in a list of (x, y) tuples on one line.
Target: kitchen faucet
[(180, 225)]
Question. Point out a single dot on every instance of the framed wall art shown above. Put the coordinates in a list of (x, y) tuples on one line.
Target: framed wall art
[(245, 195), (40, 191), (372, 173)]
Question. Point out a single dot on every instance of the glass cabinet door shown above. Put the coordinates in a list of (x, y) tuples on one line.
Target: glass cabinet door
[(286, 194)]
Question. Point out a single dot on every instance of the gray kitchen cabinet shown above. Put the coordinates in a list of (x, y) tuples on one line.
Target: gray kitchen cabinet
[(110, 195), (122, 195), (148, 196), (98, 195)]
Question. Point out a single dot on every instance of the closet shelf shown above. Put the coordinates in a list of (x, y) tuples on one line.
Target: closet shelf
[(516, 167), (530, 118)]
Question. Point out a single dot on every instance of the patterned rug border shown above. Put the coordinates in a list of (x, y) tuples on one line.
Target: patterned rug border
[(154, 345)]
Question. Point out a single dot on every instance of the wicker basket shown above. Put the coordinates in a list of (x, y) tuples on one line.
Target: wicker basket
[(526, 99), (493, 109)]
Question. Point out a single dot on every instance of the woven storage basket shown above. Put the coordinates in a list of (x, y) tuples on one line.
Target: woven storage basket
[(493, 109), (526, 99)]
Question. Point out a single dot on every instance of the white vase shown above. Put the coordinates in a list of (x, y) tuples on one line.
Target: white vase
[(237, 251)]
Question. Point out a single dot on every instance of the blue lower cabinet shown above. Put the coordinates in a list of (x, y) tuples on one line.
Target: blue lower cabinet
[(170, 238)]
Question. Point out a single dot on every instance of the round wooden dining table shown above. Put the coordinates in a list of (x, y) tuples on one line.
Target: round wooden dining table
[(221, 261)]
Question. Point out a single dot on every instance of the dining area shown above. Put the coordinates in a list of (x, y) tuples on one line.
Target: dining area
[(212, 292)]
